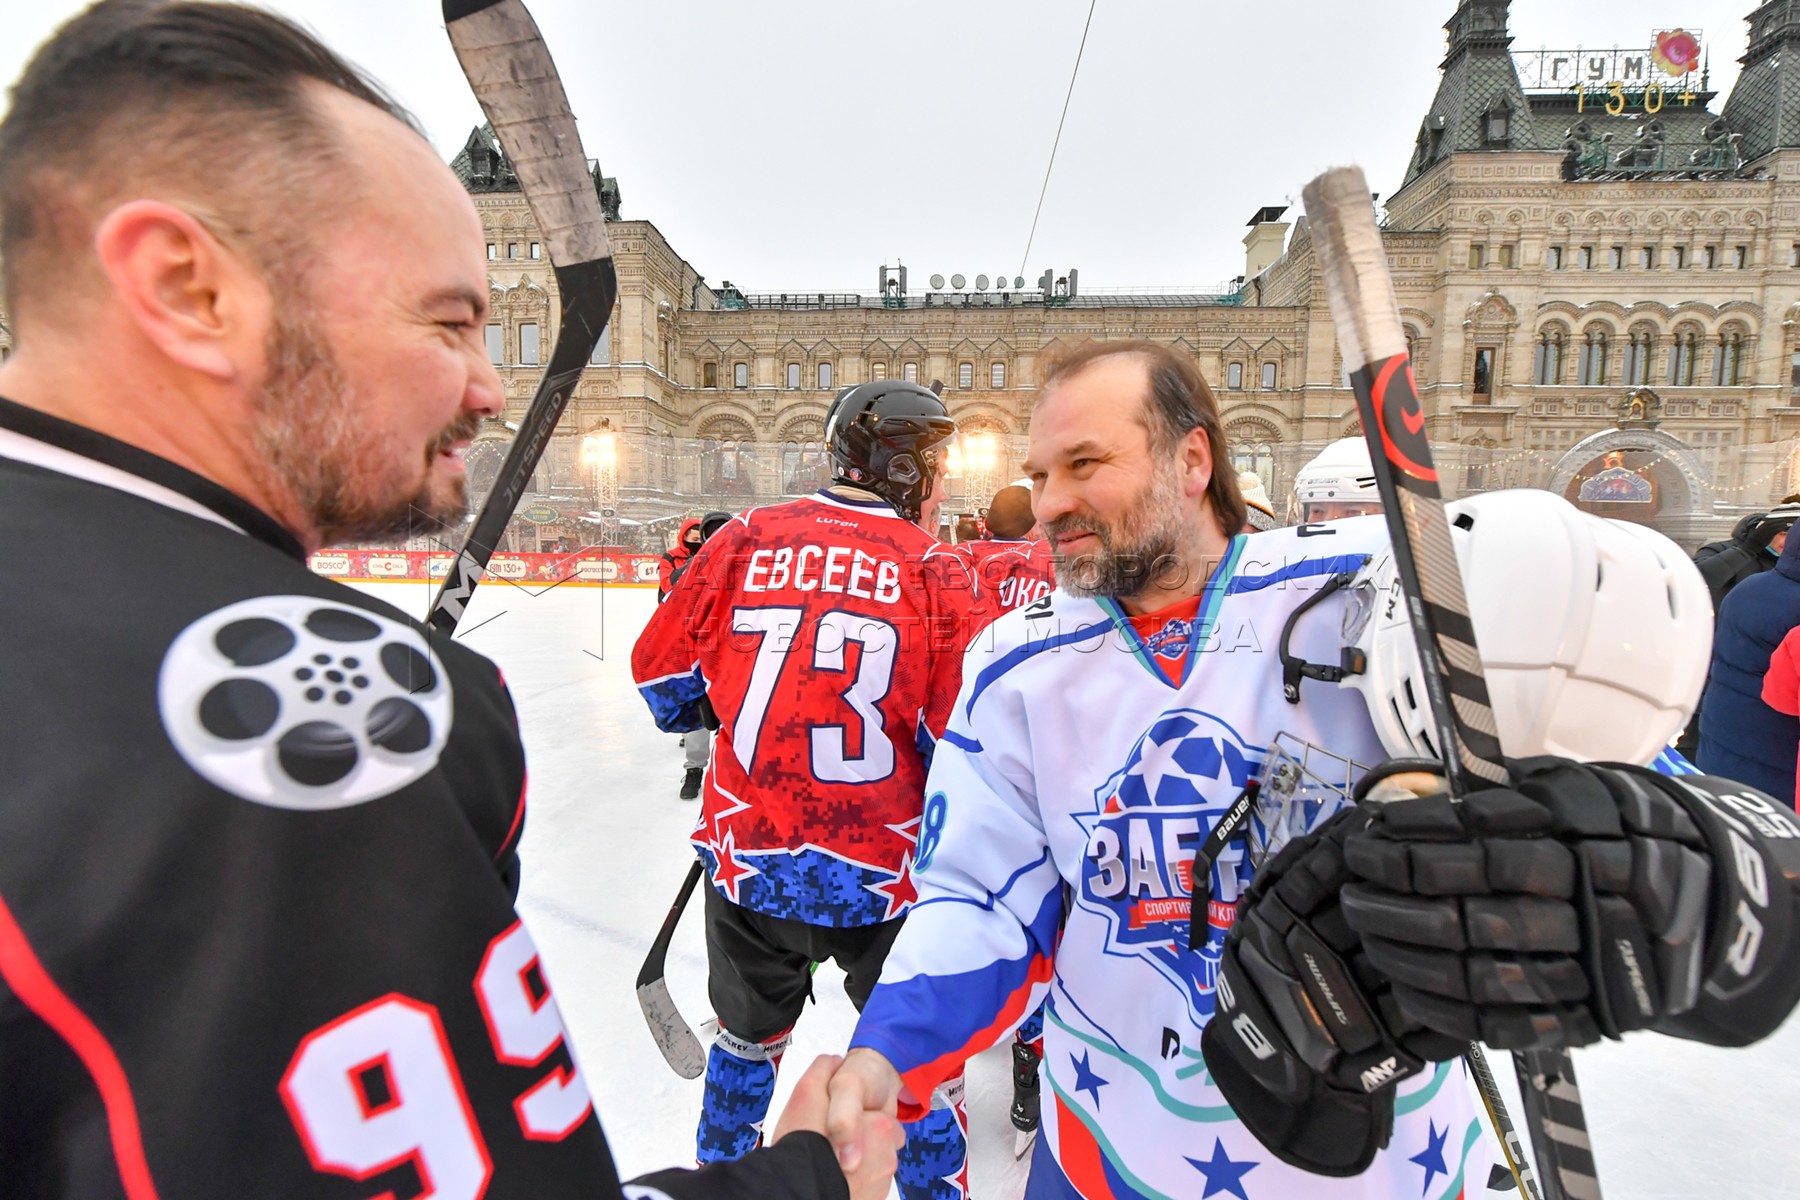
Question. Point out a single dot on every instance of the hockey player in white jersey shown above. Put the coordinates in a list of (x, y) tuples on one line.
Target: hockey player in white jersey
[(1099, 735)]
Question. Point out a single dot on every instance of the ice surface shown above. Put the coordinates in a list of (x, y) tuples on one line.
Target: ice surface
[(605, 849)]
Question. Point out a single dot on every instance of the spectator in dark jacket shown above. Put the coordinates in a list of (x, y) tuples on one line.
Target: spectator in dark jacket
[(1755, 543), (1740, 736)]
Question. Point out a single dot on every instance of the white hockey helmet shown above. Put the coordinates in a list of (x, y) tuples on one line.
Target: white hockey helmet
[(1339, 482), (1595, 635)]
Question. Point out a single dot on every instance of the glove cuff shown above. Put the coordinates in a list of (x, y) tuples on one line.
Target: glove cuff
[(1329, 1132)]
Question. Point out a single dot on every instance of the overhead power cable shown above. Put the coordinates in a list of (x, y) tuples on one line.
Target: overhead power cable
[(1058, 141)]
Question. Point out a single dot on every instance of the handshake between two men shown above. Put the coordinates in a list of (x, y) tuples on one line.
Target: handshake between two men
[(1586, 901)]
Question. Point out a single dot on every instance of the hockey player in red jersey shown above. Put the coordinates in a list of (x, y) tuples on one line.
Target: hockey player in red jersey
[(1011, 566), (827, 633), (258, 849), (1015, 566)]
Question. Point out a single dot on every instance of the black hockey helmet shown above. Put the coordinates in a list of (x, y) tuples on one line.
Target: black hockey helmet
[(884, 436)]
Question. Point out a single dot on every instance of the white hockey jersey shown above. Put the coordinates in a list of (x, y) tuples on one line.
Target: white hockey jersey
[(1070, 792)]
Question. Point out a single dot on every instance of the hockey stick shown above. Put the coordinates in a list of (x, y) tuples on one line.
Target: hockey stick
[(510, 70), (673, 1035), (1353, 265)]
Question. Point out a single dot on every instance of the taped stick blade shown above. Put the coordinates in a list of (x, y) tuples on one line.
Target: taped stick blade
[(1340, 214), (513, 76), (680, 1048)]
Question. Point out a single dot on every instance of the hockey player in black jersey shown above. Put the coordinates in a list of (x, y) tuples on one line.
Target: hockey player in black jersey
[(258, 834)]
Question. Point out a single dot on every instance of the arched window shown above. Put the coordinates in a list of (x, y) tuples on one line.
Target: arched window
[(1547, 367), (802, 467), (1638, 354), (1594, 349), (1681, 360), (1728, 360), (1415, 349), (1253, 445), (727, 459)]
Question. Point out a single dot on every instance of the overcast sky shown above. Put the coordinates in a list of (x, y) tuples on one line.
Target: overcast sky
[(799, 145)]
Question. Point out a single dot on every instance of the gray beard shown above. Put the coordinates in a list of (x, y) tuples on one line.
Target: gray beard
[(1143, 548)]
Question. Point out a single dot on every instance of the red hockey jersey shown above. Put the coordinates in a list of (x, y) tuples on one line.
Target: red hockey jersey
[(1011, 574), (828, 635)]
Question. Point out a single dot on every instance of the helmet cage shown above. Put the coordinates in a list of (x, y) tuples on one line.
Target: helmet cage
[(1303, 787)]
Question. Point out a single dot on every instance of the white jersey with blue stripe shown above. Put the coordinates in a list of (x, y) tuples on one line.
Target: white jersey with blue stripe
[(1072, 788)]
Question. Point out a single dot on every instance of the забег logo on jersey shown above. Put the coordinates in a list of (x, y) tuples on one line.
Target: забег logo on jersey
[(1151, 816)]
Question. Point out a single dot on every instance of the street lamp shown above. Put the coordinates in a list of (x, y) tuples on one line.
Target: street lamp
[(981, 460), (600, 459), (953, 469)]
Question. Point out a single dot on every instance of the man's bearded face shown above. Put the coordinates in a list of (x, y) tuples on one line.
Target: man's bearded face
[(327, 451), (1135, 545)]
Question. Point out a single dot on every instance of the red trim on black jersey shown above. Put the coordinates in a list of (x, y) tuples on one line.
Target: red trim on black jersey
[(506, 843), (518, 816), (414, 1155), (26, 976)]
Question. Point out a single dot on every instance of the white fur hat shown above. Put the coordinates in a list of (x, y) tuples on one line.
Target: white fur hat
[(1260, 513)]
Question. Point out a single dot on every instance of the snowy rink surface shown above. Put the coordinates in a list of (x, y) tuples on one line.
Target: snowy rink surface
[(605, 849)]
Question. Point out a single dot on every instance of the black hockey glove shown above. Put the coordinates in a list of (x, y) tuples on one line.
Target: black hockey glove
[(1306, 1043), (1584, 901)]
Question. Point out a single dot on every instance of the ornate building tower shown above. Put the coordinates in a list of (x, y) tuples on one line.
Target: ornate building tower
[(1765, 105), (1479, 103)]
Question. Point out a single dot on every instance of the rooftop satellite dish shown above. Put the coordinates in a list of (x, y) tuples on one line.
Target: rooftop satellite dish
[(958, 282), (937, 281), (1018, 282), (981, 283)]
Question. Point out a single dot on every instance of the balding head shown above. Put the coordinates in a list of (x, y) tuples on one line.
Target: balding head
[(1009, 515), (214, 108)]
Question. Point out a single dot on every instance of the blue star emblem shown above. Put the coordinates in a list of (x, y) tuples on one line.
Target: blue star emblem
[(1432, 1156), (1222, 1174), (1086, 1078)]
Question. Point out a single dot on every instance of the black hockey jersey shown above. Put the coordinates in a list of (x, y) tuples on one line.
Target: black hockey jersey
[(257, 865)]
